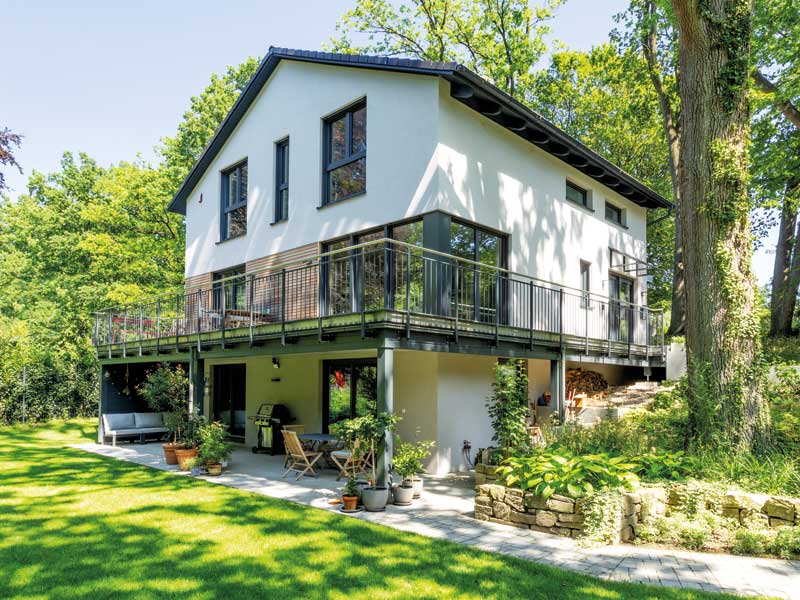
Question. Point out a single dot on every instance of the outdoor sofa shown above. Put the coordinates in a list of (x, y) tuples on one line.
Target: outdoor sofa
[(132, 425)]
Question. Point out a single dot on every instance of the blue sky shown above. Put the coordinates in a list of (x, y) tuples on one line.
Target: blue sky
[(111, 78)]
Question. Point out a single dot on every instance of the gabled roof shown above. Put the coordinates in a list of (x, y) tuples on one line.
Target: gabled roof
[(466, 87)]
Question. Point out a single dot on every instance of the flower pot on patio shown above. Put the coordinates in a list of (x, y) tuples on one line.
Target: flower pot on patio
[(402, 495), (182, 454), (169, 452), (214, 469), (416, 483), (375, 499), (349, 503)]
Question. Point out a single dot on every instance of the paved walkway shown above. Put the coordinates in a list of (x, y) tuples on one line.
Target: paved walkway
[(445, 512)]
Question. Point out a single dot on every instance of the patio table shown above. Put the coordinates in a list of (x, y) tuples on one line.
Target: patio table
[(320, 442)]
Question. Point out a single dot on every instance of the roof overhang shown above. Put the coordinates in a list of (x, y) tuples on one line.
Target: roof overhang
[(467, 88)]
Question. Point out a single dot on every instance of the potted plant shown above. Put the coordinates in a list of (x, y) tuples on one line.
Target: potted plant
[(191, 441), (421, 450), (371, 431), (166, 390), (404, 466), (194, 466), (350, 495), (214, 450)]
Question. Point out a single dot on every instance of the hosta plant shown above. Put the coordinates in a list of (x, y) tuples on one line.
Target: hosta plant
[(547, 473)]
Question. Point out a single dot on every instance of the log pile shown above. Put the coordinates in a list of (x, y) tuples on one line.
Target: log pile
[(585, 382)]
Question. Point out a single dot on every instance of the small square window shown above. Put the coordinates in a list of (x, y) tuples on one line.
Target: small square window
[(577, 195), (614, 214)]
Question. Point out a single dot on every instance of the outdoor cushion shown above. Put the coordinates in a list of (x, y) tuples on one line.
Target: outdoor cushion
[(117, 421), (148, 420)]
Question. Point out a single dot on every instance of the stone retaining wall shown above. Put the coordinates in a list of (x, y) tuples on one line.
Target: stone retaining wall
[(561, 515)]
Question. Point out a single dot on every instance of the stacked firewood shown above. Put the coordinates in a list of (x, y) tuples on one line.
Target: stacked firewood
[(585, 382)]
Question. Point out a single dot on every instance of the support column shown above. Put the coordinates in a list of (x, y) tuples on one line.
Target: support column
[(385, 404), (558, 385), (195, 382), (102, 401)]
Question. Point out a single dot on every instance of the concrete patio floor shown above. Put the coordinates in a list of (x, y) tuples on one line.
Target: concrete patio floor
[(445, 511)]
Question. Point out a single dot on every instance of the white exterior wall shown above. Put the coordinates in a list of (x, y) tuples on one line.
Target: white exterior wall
[(425, 151), (401, 145), (490, 175)]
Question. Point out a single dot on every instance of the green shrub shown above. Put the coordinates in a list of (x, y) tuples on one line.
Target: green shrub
[(786, 543), (774, 473), (547, 473), (508, 408), (693, 534), (674, 466), (784, 402), (750, 542), (601, 517)]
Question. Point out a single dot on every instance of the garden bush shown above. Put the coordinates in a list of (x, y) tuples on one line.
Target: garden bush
[(547, 473)]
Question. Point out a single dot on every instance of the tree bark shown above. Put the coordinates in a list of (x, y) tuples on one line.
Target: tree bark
[(727, 408), (784, 276), (669, 120)]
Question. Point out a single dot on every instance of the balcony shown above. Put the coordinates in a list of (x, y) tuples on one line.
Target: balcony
[(402, 290)]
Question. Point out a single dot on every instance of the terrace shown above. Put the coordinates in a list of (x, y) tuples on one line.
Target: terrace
[(386, 288)]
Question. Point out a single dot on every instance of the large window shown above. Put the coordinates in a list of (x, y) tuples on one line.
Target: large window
[(350, 390), (346, 154), (476, 290), (233, 214), (230, 293), (282, 180)]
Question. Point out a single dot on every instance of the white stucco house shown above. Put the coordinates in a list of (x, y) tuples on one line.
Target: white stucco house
[(370, 231)]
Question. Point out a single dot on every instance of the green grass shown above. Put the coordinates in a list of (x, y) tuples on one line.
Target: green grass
[(76, 525)]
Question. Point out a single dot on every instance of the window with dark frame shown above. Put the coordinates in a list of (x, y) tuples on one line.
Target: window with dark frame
[(614, 214), (233, 205), (346, 154), (577, 195), (234, 289), (282, 180), (585, 283)]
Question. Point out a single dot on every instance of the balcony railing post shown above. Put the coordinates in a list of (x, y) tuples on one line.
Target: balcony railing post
[(661, 330), (223, 313), (178, 312), (141, 316), (158, 325), (388, 263), (283, 307), (631, 327), (531, 292), (362, 274), (561, 317), (198, 323), (496, 308), (457, 296), (408, 293), (250, 281), (125, 332), (587, 308)]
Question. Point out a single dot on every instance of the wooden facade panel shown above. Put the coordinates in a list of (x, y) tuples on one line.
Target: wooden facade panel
[(301, 283)]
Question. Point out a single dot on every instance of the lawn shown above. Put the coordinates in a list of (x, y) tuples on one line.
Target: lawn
[(76, 525)]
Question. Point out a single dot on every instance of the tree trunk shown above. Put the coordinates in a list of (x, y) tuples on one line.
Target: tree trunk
[(784, 281), (726, 402)]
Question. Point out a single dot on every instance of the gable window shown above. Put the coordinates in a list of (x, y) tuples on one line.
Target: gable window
[(233, 214), (577, 195), (346, 154), (585, 283), (614, 214), (282, 180)]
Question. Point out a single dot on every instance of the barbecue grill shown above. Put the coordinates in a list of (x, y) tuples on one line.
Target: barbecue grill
[(270, 419)]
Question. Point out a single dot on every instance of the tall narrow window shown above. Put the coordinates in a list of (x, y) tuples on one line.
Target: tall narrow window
[(282, 180), (585, 283), (346, 154), (233, 213)]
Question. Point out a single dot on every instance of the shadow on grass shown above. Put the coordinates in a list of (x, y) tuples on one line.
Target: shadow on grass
[(76, 525)]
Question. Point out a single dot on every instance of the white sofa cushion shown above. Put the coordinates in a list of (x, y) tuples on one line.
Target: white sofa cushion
[(114, 422), (148, 420)]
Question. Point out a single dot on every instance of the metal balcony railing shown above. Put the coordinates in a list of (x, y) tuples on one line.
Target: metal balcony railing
[(411, 287)]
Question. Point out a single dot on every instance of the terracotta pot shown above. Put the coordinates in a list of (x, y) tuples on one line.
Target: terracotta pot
[(349, 502), (183, 454), (214, 468), (169, 452)]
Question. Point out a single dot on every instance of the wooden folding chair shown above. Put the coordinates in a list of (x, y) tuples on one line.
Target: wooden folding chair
[(347, 463), (300, 461), (299, 430)]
